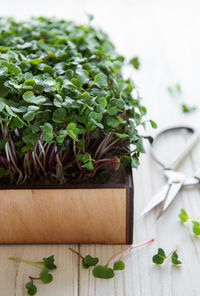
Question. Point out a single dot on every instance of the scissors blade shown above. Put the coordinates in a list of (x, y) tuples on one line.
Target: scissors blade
[(174, 189), (158, 198), (191, 181)]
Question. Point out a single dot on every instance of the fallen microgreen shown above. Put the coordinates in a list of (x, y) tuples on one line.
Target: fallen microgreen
[(174, 259), (106, 271), (160, 257), (45, 276), (188, 109), (176, 91), (87, 261), (184, 217)]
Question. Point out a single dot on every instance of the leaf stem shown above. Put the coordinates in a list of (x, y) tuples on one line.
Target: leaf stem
[(25, 261), (34, 278), (171, 252), (77, 253), (123, 251)]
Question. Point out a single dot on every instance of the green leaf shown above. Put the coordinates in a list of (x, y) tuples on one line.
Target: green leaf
[(29, 97), (30, 82), (160, 257), (47, 129), (119, 265), (188, 109), (103, 272), (49, 262), (32, 289), (135, 63), (35, 61), (89, 166), (139, 146), (102, 101), (72, 131), (153, 124), (174, 259), (100, 80), (45, 276), (61, 136), (82, 76), (112, 122), (29, 116), (89, 261), (196, 227), (183, 216), (134, 162), (112, 110), (59, 115)]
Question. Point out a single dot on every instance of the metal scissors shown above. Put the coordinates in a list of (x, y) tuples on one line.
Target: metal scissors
[(176, 180)]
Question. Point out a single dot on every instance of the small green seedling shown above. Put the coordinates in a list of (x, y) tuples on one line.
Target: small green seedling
[(87, 261), (45, 276), (188, 109), (160, 257), (174, 90), (174, 259), (104, 271), (185, 218), (196, 227)]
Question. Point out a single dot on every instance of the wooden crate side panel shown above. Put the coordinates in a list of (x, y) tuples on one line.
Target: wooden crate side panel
[(63, 216)]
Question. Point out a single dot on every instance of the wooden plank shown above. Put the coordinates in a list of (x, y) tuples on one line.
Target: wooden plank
[(15, 275), (63, 216)]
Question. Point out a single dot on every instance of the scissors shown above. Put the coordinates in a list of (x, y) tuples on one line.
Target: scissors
[(176, 180)]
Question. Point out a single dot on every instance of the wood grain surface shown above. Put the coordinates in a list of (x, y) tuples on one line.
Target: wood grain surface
[(63, 216), (165, 35)]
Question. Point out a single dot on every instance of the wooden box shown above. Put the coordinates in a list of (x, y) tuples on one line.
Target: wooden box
[(81, 214)]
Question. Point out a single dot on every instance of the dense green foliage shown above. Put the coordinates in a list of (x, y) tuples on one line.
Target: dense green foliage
[(65, 110)]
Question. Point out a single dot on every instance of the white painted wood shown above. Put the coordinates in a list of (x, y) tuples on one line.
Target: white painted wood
[(15, 275), (165, 34)]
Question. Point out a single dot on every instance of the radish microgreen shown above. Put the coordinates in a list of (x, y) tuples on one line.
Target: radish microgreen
[(160, 257), (45, 276), (67, 114), (195, 224), (105, 271)]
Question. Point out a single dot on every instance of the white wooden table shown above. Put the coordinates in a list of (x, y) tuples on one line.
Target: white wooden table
[(165, 34)]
